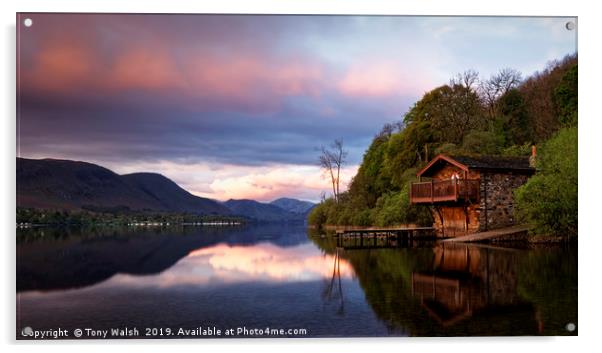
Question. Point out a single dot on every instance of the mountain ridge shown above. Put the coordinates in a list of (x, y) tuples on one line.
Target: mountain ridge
[(62, 184), (75, 185), (260, 211), (294, 205)]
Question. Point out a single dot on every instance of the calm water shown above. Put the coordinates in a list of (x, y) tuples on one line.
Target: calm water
[(282, 277)]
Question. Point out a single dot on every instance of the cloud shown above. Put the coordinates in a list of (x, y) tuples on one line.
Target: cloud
[(255, 95), (266, 184), (379, 79), (224, 182), (142, 68)]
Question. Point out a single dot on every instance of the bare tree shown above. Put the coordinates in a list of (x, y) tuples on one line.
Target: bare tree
[(326, 164), (468, 79), (498, 85), (332, 160), (390, 128)]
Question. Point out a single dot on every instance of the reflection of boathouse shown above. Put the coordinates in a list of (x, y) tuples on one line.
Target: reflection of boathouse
[(470, 194), (466, 280)]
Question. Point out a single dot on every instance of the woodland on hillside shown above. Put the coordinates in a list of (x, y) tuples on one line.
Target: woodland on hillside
[(505, 115)]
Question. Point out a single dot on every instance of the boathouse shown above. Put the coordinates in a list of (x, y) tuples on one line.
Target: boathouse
[(470, 194)]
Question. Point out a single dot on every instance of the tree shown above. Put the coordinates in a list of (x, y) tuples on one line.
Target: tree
[(513, 117), (496, 86), (331, 160), (549, 198), (468, 79), (565, 97), (451, 111), (538, 92)]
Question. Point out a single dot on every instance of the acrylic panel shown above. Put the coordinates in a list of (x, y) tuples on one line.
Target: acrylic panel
[(271, 176)]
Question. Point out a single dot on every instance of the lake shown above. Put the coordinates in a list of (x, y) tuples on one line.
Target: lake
[(283, 281)]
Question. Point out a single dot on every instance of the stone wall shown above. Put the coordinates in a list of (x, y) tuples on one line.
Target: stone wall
[(496, 209)]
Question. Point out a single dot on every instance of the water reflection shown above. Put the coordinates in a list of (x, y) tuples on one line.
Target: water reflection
[(462, 283), (449, 290), (257, 277), (333, 291), (224, 264), (58, 258), (279, 276)]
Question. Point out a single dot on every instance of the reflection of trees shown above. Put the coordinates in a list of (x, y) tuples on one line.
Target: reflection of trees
[(334, 290), (467, 281), (506, 292), (548, 278)]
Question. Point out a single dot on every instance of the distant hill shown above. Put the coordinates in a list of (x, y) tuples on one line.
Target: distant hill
[(264, 212), (293, 205), (171, 196), (72, 185)]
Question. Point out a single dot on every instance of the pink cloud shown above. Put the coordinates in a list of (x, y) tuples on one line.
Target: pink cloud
[(59, 66), (251, 80), (266, 184), (246, 80), (144, 68), (224, 181), (380, 78)]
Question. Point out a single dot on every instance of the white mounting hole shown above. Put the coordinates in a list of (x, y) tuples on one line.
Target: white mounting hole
[(27, 22)]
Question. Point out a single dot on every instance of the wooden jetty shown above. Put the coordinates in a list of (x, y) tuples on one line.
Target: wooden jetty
[(515, 233), (382, 238)]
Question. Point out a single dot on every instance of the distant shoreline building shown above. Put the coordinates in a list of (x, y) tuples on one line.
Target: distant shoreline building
[(471, 194)]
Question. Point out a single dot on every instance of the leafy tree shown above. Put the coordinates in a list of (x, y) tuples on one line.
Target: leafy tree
[(482, 142), (500, 116), (394, 208), (371, 180), (538, 92), (451, 112), (549, 198), (514, 118), (523, 150), (319, 214), (565, 97)]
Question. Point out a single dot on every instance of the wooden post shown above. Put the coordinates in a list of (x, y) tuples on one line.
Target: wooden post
[(432, 191), (455, 189)]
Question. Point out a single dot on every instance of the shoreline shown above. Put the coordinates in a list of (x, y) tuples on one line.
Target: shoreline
[(522, 236)]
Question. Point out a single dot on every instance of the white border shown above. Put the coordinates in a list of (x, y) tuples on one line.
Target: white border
[(589, 146)]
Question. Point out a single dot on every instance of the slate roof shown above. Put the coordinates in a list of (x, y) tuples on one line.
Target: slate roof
[(495, 162), (489, 163)]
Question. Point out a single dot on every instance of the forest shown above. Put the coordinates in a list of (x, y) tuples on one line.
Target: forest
[(505, 115)]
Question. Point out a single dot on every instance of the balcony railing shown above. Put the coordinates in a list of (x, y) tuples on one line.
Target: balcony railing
[(452, 190)]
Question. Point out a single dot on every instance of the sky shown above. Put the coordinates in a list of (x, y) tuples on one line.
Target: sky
[(235, 106)]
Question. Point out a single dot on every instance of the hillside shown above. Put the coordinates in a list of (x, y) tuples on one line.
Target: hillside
[(293, 205), (73, 185), (501, 115), (171, 196), (262, 211)]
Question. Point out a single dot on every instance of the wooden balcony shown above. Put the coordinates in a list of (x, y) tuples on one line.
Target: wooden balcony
[(452, 190)]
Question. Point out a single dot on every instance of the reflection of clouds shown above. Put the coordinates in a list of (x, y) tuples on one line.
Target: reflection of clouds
[(232, 264)]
